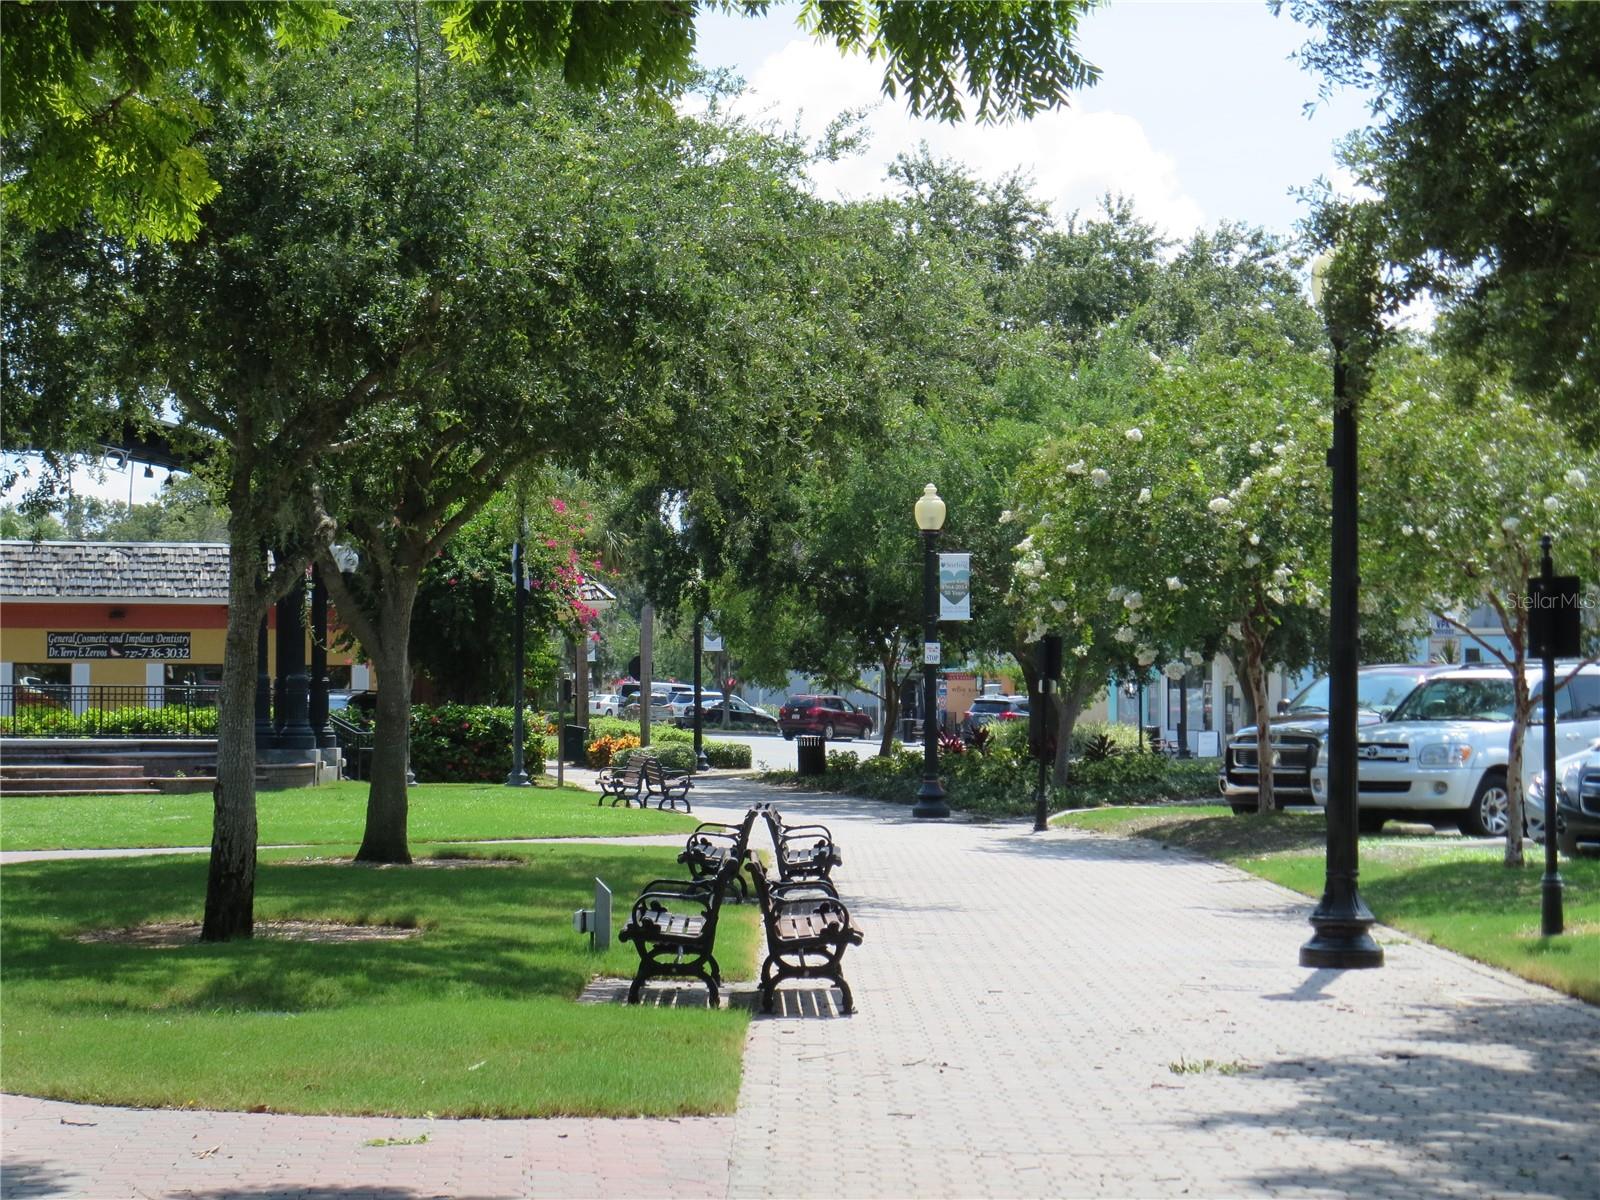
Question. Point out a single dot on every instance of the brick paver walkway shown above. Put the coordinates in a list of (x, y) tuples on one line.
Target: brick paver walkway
[(1055, 1015)]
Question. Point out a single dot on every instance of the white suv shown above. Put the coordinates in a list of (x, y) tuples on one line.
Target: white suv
[(1445, 748)]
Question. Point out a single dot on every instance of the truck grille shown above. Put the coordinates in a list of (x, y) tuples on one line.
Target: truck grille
[(1295, 758), (1589, 791)]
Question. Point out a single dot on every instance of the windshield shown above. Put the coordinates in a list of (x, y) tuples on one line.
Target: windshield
[(1376, 691), (1458, 700)]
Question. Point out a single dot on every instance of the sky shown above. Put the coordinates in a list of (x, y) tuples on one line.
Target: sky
[(1199, 117)]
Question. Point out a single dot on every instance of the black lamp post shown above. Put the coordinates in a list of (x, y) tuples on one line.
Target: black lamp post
[(930, 519), (1551, 917), (701, 762), (1342, 921), (519, 771)]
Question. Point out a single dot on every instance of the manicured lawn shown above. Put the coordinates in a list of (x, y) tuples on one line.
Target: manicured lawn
[(329, 815), (475, 1017), (1457, 896)]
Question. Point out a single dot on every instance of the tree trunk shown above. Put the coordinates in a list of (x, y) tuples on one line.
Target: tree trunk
[(1255, 678), (231, 879), (891, 701), (1070, 704), (386, 836), (1519, 736)]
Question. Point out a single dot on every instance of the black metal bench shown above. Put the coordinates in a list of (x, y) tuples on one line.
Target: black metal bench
[(714, 843), (669, 787), (802, 851), (626, 783), (674, 925), (808, 930)]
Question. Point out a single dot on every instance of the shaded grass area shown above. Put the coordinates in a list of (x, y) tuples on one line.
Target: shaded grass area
[(1460, 897), (474, 1017), (331, 814)]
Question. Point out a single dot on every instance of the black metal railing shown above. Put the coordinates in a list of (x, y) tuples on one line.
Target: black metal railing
[(355, 745), (108, 710)]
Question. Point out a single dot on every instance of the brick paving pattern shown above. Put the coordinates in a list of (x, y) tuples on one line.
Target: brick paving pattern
[(1040, 1015)]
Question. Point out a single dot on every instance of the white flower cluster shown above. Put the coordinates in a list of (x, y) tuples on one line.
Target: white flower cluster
[(1100, 477), (1174, 584), (1144, 495), (1135, 436), (1221, 506)]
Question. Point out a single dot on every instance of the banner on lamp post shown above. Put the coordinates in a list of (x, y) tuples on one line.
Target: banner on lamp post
[(711, 640), (955, 587)]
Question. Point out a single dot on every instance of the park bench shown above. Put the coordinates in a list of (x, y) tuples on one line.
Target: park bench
[(808, 930), (802, 851), (670, 787), (674, 925), (625, 783), (714, 843)]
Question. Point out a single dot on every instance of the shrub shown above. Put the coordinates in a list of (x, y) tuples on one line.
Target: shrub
[(673, 757), (470, 743), (603, 750), (175, 720)]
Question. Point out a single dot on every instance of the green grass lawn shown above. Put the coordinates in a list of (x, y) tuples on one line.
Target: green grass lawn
[(328, 815), (474, 1017), (1457, 896)]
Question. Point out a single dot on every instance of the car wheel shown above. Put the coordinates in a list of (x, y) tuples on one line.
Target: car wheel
[(1487, 817), (1371, 820), (1242, 810), (1533, 820), (788, 735), (827, 732)]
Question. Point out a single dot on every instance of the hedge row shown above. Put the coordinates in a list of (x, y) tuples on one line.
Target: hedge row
[(174, 721), (1001, 782)]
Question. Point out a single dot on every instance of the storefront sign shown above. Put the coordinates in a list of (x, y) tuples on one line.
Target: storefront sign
[(117, 643)]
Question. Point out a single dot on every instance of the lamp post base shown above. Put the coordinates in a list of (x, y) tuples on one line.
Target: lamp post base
[(1551, 920), (1342, 939), (701, 763), (518, 778), (930, 800)]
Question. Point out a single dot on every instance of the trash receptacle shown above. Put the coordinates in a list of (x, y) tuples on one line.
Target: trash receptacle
[(811, 754), (575, 744)]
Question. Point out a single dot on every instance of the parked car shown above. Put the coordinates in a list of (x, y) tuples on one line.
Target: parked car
[(741, 715), (831, 716), (604, 704), (1298, 729), (365, 703), (1444, 751), (1577, 801), (658, 702), (993, 708)]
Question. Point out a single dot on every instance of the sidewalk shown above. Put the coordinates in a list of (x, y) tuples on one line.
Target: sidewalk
[(1040, 1015)]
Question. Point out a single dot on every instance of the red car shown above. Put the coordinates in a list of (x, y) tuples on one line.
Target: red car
[(831, 716)]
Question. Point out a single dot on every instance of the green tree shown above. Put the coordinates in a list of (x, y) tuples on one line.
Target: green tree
[(1483, 158), (1454, 502), (1011, 57), (102, 103)]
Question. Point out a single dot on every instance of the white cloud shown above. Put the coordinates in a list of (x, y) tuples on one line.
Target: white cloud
[(1074, 156)]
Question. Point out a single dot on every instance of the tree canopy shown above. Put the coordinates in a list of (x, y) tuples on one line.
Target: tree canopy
[(1484, 156)]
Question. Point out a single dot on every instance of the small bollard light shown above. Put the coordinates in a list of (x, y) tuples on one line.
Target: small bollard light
[(596, 921)]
